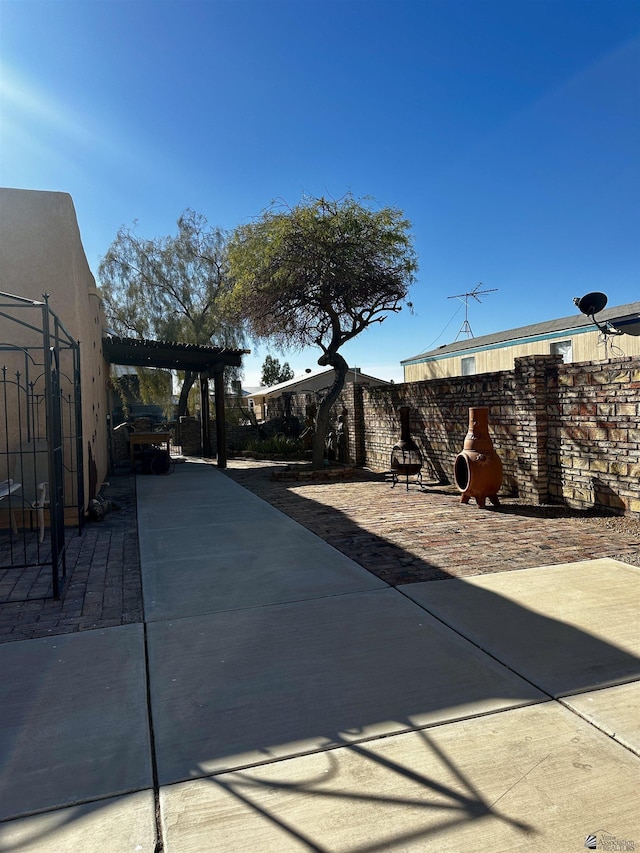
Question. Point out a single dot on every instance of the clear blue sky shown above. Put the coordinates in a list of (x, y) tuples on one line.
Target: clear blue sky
[(508, 133)]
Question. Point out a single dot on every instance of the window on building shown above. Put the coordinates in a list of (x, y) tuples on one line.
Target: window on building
[(562, 348), (469, 365)]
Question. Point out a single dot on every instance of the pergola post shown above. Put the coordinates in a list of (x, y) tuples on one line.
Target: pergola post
[(205, 427), (221, 432)]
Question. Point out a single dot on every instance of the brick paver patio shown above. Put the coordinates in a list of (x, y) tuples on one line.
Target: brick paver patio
[(103, 586), (408, 536)]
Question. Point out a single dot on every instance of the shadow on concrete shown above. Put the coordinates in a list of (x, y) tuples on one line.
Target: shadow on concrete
[(301, 703), (461, 805), (230, 710)]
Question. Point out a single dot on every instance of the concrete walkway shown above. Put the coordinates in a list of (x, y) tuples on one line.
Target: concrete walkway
[(280, 697)]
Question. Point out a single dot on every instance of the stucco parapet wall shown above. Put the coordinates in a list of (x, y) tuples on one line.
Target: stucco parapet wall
[(41, 249), (41, 252)]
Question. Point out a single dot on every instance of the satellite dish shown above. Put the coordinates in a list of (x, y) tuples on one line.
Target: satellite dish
[(591, 303)]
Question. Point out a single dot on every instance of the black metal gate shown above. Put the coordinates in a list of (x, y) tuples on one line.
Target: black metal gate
[(41, 467)]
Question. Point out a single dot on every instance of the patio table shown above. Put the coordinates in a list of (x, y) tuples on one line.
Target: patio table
[(140, 439)]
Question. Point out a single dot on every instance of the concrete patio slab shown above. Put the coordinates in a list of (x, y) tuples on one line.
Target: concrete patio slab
[(249, 578), (221, 548), (125, 823), (194, 515), (568, 628), (193, 487), (263, 531), (73, 711), (197, 481), (614, 710), (233, 689), (531, 779)]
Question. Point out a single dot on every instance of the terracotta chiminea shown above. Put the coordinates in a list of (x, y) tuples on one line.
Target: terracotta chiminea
[(478, 469)]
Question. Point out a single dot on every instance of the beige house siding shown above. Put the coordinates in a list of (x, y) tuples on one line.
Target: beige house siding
[(41, 252), (501, 356)]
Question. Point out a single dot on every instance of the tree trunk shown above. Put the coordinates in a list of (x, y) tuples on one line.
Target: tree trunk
[(189, 379), (341, 368)]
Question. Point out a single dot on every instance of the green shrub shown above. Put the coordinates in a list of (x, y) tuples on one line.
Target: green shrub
[(277, 445)]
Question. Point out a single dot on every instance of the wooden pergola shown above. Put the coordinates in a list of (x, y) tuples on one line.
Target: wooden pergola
[(207, 362)]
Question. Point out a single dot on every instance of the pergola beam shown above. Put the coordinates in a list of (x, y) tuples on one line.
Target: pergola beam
[(207, 362), (169, 356)]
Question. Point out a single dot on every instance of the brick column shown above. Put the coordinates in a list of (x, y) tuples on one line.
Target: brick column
[(535, 392), (356, 427)]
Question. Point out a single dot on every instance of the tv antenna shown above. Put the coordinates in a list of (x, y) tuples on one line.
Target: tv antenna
[(465, 328)]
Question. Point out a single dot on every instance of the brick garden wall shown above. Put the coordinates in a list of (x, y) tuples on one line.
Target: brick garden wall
[(594, 435), (189, 435), (564, 432)]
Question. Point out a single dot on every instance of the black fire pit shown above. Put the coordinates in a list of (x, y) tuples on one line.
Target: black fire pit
[(406, 458)]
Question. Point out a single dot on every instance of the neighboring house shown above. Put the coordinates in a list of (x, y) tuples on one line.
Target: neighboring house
[(236, 402), (576, 338), (236, 394), (310, 384)]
